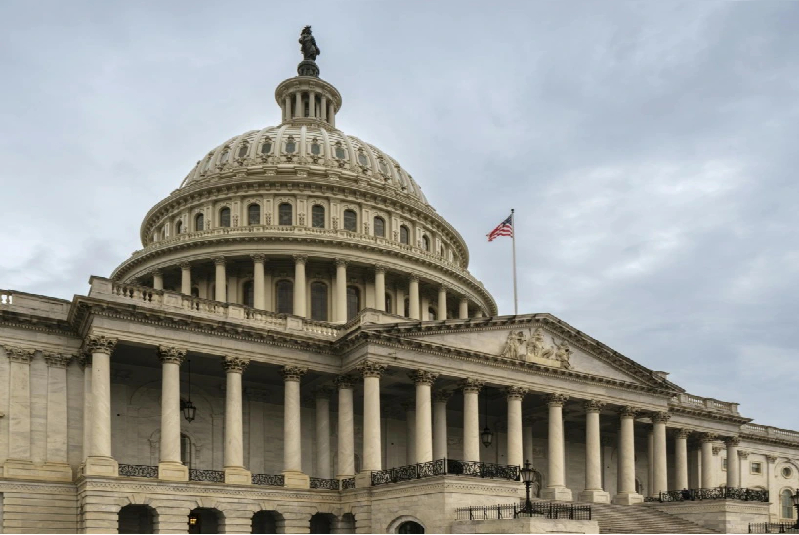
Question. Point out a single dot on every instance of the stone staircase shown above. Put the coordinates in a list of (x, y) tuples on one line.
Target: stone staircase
[(640, 519)]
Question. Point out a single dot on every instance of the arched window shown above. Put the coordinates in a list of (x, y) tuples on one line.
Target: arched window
[(380, 227), (350, 220), (389, 304), (254, 214), (178, 226), (353, 302), (405, 235), (319, 301), (199, 222), (410, 527), (425, 243), (786, 504), (285, 214), (185, 449), (224, 217), (285, 297), (318, 216), (248, 289)]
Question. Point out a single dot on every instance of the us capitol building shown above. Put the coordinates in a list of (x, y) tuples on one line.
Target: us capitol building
[(299, 347)]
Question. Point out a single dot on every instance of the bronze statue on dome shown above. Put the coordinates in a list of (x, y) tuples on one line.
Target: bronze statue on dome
[(308, 45)]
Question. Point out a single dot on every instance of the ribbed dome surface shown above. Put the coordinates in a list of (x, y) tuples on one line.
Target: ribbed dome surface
[(307, 145)]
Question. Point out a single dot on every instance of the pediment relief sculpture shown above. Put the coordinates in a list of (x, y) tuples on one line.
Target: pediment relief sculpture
[(535, 349)]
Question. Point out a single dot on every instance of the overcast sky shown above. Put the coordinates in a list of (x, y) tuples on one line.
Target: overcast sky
[(649, 149)]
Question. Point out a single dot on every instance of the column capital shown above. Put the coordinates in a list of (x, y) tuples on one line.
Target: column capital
[(683, 433), (717, 449), (660, 417), (732, 441), (743, 454), (413, 278), (83, 358), (155, 273), (344, 382), (340, 262), (593, 405), (380, 268), (293, 373), (235, 364), (708, 437), (370, 368), (18, 354), (464, 299), (300, 258), (556, 400), (258, 258), (185, 265), (422, 377), (324, 392), (443, 288), (515, 392), (101, 344), (471, 385), (771, 458), (441, 396), (171, 355), (56, 360), (628, 412), (219, 261)]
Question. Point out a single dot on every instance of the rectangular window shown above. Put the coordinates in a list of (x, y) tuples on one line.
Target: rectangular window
[(724, 463), (756, 468)]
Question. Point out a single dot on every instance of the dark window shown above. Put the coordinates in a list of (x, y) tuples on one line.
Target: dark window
[(290, 146), (350, 220), (249, 294), (198, 222), (389, 309), (178, 226), (353, 302), (266, 148), (243, 151), (224, 217), (380, 227), (316, 149), (362, 159), (195, 291), (318, 216), (425, 243), (319, 301), (254, 214), (341, 154), (407, 313), (405, 235), (410, 527), (285, 297), (284, 214), (185, 450)]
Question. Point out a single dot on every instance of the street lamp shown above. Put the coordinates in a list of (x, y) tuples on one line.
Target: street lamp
[(486, 437), (527, 476), (795, 499), (188, 408)]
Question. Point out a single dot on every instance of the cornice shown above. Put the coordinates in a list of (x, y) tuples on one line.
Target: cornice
[(768, 440), (32, 322), (708, 415)]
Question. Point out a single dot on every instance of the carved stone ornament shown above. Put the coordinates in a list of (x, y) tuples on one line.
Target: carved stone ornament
[(340, 262), (370, 368), (344, 381), (628, 412), (441, 396), (18, 354), (235, 364), (717, 450), (743, 454), (534, 349), (771, 458), (293, 373), (101, 344), (660, 417), (683, 433), (556, 400), (422, 377), (708, 437), (171, 355), (472, 386), (732, 441), (323, 392), (593, 405), (300, 258), (258, 258), (219, 260), (379, 268), (515, 392), (185, 265), (55, 360)]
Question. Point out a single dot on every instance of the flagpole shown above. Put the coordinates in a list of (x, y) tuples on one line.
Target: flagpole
[(513, 236)]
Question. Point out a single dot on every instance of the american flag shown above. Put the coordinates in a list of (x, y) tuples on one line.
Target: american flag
[(503, 229)]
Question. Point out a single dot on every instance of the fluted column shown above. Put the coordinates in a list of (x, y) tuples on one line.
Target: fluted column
[(170, 466), (441, 312), (341, 291), (424, 414), (323, 106), (292, 428), (220, 290), (707, 440), (287, 105), (413, 298), (100, 461), (322, 396), (471, 419), (331, 115), (515, 453), (659, 452), (527, 431), (258, 290), (158, 280), (234, 436), (57, 412), (19, 418), (311, 104), (85, 360), (298, 111), (346, 427), (440, 399), (733, 464), (556, 489), (626, 470), (593, 455), (380, 288), (463, 312), (410, 431), (185, 278), (681, 459), (371, 372), (299, 284)]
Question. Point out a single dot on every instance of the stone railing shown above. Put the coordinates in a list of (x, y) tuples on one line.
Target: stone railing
[(707, 404), (138, 470), (33, 304), (268, 480), (442, 467), (770, 432), (713, 493)]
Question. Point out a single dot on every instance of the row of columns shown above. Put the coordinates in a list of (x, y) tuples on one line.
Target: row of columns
[(327, 110)]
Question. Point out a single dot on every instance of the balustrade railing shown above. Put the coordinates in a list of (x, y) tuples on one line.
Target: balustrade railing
[(214, 476), (269, 480), (715, 493), (516, 510), (774, 527), (327, 484), (348, 483), (442, 467), (138, 470)]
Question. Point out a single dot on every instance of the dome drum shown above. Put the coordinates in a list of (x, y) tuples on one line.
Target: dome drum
[(306, 99)]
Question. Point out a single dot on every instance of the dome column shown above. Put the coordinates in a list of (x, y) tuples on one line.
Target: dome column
[(331, 115), (158, 280), (324, 108), (185, 278), (380, 288), (413, 298), (259, 300), (341, 291), (220, 293), (287, 109), (299, 285), (298, 104), (311, 103), (442, 303), (400, 300), (463, 309)]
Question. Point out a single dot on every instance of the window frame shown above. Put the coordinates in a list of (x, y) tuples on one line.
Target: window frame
[(407, 231), (249, 213), (314, 216), (353, 218), (320, 311), (280, 214), (374, 226), (288, 307), (199, 217)]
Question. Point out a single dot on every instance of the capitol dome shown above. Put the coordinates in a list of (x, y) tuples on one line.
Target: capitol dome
[(302, 219)]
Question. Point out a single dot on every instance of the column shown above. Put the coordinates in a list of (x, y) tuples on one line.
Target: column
[(410, 431), (86, 364), (299, 284), (380, 288), (331, 115), (650, 464), (311, 104), (442, 304), (593, 456), (298, 111), (707, 440), (346, 427), (681, 459), (322, 396), (413, 298), (292, 429), (515, 453), (440, 399), (626, 470), (471, 419), (287, 116), (258, 290), (733, 464), (527, 431), (234, 436), (341, 291), (463, 312), (185, 278), (372, 452), (660, 473), (424, 414), (424, 308), (170, 466), (158, 280), (556, 489), (100, 462), (400, 300), (19, 417), (220, 293), (324, 108)]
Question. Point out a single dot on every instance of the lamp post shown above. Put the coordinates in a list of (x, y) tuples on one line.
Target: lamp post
[(795, 499), (527, 477), (188, 408), (486, 437)]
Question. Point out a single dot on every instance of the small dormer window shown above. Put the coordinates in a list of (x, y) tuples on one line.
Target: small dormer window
[(316, 149), (243, 151), (266, 147), (341, 153), (291, 146), (362, 159), (383, 167), (225, 156)]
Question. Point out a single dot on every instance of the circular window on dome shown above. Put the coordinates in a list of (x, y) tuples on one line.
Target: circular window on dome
[(316, 148), (787, 472)]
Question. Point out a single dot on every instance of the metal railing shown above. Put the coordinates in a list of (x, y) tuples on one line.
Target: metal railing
[(268, 480), (442, 467), (138, 470), (514, 510), (348, 483), (774, 527), (327, 484), (214, 476), (715, 493)]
